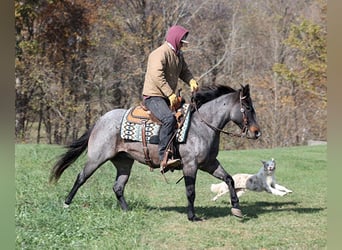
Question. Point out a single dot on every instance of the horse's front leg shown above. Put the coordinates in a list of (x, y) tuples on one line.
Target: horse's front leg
[(218, 171), (190, 181)]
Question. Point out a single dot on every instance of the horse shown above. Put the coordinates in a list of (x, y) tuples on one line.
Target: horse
[(213, 108)]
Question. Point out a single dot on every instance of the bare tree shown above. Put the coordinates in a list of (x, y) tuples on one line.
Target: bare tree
[(75, 60)]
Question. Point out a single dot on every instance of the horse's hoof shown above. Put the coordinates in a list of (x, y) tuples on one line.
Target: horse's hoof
[(195, 219), (65, 205), (237, 212)]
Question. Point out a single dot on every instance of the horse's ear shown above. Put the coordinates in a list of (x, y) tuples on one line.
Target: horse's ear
[(245, 90)]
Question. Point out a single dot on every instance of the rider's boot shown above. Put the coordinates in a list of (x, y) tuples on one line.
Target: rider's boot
[(169, 164)]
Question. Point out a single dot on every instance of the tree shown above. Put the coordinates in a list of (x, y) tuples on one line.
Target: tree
[(305, 74), (77, 59), (26, 50), (50, 67)]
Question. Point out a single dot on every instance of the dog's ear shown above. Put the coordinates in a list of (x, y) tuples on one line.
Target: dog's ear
[(273, 160), (264, 164)]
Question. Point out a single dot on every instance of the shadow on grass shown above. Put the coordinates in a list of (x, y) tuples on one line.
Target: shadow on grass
[(253, 210), (250, 210)]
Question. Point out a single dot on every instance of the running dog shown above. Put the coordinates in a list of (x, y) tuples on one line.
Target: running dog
[(264, 180)]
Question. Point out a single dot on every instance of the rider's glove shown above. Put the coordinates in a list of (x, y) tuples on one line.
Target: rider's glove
[(173, 100), (193, 85)]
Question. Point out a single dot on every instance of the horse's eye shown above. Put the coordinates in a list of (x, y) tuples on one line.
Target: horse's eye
[(248, 108)]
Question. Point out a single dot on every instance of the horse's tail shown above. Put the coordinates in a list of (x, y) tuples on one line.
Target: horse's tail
[(76, 148)]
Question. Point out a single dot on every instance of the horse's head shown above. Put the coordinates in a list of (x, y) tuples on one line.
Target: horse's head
[(244, 114)]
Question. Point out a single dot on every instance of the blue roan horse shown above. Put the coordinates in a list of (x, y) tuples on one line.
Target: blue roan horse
[(215, 107)]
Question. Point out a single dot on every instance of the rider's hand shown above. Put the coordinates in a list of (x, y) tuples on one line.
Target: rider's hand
[(173, 100), (193, 85)]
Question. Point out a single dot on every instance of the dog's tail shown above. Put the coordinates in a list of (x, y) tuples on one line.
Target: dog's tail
[(213, 188), (216, 188), (219, 187)]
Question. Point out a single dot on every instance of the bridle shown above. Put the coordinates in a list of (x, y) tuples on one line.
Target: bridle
[(244, 129)]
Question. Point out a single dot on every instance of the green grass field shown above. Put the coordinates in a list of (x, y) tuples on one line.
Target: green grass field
[(157, 218)]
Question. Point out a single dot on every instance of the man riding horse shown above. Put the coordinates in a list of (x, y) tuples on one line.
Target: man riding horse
[(215, 106), (165, 65)]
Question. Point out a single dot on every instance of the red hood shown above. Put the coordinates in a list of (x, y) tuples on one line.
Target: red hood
[(174, 36)]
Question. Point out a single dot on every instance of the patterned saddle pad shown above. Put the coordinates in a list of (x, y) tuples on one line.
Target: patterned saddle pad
[(131, 125)]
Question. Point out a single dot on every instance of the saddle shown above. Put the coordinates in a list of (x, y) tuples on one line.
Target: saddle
[(139, 124), (141, 114)]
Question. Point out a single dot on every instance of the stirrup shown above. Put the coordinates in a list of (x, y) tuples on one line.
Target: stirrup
[(170, 164)]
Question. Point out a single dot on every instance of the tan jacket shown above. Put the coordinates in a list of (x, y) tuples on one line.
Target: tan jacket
[(164, 68)]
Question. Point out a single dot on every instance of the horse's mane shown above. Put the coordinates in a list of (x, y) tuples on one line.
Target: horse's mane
[(208, 93)]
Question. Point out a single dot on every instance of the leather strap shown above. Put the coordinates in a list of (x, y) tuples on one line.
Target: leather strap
[(144, 142)]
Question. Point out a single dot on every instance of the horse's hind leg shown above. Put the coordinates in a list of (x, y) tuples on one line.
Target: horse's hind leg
[(124, 167), (82, 177)]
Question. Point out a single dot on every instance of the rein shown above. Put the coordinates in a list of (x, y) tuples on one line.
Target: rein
[(244, 129)]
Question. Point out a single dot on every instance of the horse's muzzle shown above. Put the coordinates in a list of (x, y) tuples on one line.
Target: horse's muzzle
[(257, 134), (254, 132)]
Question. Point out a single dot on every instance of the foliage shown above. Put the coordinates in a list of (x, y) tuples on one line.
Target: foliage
[(157, 216), (76, 60), (303, 76), (309, 70)]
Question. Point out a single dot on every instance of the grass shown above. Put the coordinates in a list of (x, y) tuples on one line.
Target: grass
[(157, 217)]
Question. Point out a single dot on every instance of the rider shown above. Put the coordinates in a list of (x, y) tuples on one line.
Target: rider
[(165, 65)]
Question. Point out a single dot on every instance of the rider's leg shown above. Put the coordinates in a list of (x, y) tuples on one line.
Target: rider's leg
[(160, 109)]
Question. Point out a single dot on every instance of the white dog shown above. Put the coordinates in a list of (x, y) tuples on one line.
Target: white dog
[(264, 180)]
